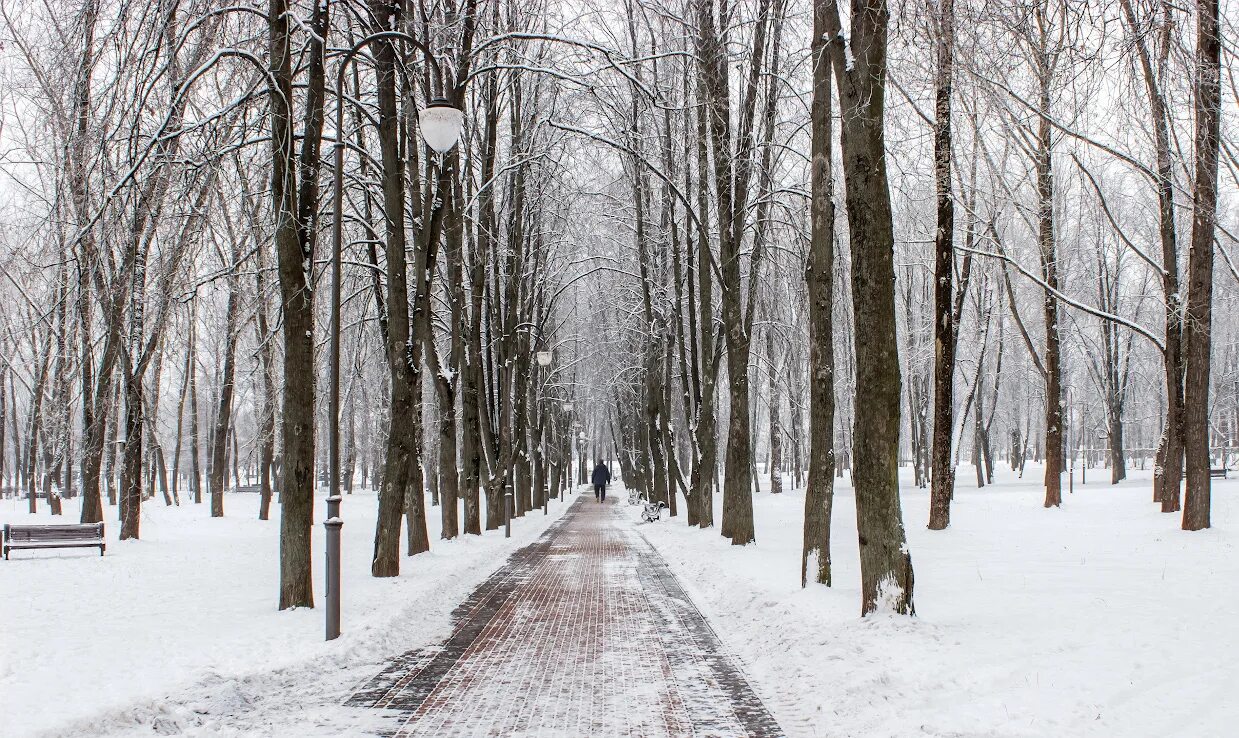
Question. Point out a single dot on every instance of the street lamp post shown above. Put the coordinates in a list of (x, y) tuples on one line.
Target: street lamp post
[(333, 523), (1102, 445), (580, 455), (569, 472), (440, 124), (544, 360), (507, 510)]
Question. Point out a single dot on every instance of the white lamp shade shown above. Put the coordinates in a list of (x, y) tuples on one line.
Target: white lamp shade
[(567, 407), (441, 124), (544, 358)]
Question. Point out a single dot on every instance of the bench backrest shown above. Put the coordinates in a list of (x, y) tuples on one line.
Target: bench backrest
[(41, 533)]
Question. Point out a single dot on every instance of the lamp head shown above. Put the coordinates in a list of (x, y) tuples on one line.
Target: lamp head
[(441, 123)]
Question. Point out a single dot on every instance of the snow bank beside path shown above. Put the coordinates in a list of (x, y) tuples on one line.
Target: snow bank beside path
[(1098, 619), (178, 633)]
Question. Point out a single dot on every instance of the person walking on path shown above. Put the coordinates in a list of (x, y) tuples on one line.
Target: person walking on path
[(601, 477)]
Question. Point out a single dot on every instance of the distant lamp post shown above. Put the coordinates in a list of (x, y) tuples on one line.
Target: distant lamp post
[(568, 471), (441, 123), (508, 509), (544, 360), (580, 455), (1102, 437)]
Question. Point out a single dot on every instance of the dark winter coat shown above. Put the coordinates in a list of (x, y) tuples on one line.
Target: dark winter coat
[(602, 475)]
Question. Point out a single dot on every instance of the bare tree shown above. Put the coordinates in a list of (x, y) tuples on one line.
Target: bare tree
[(1199, 317), (819, 277), (860, 71), (294, 195)]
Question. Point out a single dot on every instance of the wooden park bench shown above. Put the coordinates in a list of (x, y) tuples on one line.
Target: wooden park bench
[(1217, 473), (86, 535)]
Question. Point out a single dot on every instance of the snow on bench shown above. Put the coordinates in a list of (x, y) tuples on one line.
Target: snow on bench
[(86, 535), (652, 511)]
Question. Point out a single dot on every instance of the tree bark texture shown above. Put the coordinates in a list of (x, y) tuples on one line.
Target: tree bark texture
[(1199, 320), (886, 564)]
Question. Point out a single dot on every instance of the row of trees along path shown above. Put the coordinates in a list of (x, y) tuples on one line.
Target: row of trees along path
[(648, 194)]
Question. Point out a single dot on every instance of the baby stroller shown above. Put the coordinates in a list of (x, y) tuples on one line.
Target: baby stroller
[(634, 497), (653, 510)]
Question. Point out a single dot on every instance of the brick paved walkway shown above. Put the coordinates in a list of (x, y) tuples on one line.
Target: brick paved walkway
[(585, 632)]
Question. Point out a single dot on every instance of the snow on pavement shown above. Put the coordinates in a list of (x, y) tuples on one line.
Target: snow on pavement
[(584, 633)]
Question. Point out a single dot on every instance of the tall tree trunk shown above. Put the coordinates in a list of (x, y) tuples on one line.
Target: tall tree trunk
[(1168, 467), (886, 564), (4, 411), (731, 184), (1048, 250), (1199, 320), (294, 192), (195, 436), (473, 401), (266, 420), (57, 454), (443, 377), (946, 325), (223, 415), (795, 376), (36, 419), (79, 186), (706, 434), (131, 453), (404, 375), (180, 425), (476, 401), (775, 429), (19, 468), (819, 278)]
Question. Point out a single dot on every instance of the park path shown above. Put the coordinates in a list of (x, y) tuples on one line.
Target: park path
[(585, 632)]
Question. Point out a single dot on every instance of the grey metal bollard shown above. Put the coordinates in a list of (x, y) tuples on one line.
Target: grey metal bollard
[(507, 511), (333, 525)]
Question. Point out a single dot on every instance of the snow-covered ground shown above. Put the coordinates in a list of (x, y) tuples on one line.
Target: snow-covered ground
[(179, 634), (1101, 618), (1098, 619)]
